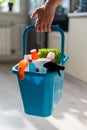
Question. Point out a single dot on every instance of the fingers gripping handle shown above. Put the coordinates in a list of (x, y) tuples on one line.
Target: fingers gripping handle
[(53, 27)]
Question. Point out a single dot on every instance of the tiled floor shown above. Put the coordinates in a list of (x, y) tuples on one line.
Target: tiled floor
[(70, 113)]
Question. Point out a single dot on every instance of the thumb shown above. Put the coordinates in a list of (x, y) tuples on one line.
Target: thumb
[(34, 14)]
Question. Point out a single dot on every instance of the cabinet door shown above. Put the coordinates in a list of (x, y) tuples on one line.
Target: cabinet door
[(77, 48)]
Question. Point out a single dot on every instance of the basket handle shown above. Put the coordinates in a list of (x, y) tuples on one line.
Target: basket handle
[(53, 27)]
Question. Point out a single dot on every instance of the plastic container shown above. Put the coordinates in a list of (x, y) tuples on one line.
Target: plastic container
[(39, 64), (41, 92)]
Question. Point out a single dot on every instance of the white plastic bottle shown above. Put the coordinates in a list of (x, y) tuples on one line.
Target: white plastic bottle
[(26, 57)]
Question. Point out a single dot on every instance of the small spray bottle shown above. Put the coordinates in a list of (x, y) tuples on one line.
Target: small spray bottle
[(32, 67)]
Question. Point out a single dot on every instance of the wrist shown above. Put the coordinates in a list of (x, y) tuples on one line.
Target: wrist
[(53, 3)]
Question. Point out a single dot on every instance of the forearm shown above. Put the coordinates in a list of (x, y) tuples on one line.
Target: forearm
[(53, 3)]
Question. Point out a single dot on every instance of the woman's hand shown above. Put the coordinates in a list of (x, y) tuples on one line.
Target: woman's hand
[(44, 19), (45, 15)]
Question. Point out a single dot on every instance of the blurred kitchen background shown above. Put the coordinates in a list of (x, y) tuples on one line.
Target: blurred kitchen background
[(71, 16)]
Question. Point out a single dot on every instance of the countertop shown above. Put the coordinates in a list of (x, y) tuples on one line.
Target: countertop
[(74, 15)]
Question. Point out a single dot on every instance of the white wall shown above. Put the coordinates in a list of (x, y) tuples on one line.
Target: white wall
[(77, 47), (54, 40)]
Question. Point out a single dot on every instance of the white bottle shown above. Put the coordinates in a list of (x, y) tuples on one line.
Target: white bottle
[(26, 57), (51, 56), (39, 64)]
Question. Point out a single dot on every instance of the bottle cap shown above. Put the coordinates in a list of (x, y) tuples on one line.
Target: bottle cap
[(34, 54), (26, 56), (30, 58)]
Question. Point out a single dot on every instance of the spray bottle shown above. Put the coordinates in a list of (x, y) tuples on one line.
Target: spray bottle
[(32, 67)]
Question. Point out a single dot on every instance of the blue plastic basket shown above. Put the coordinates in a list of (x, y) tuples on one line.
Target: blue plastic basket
[(41, 92)]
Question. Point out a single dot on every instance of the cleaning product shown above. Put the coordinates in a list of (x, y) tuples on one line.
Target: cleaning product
[(44, 52), (26, 56), (51, 56), (39, 64), (53, 66), (32, 67), (34, 54), (21, 68)]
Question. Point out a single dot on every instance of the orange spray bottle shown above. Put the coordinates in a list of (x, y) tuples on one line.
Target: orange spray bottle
[(21, 68)]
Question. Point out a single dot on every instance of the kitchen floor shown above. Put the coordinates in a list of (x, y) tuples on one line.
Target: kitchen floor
[(70, 113)]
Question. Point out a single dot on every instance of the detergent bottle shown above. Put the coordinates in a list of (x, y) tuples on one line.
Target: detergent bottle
[(21, 68)]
